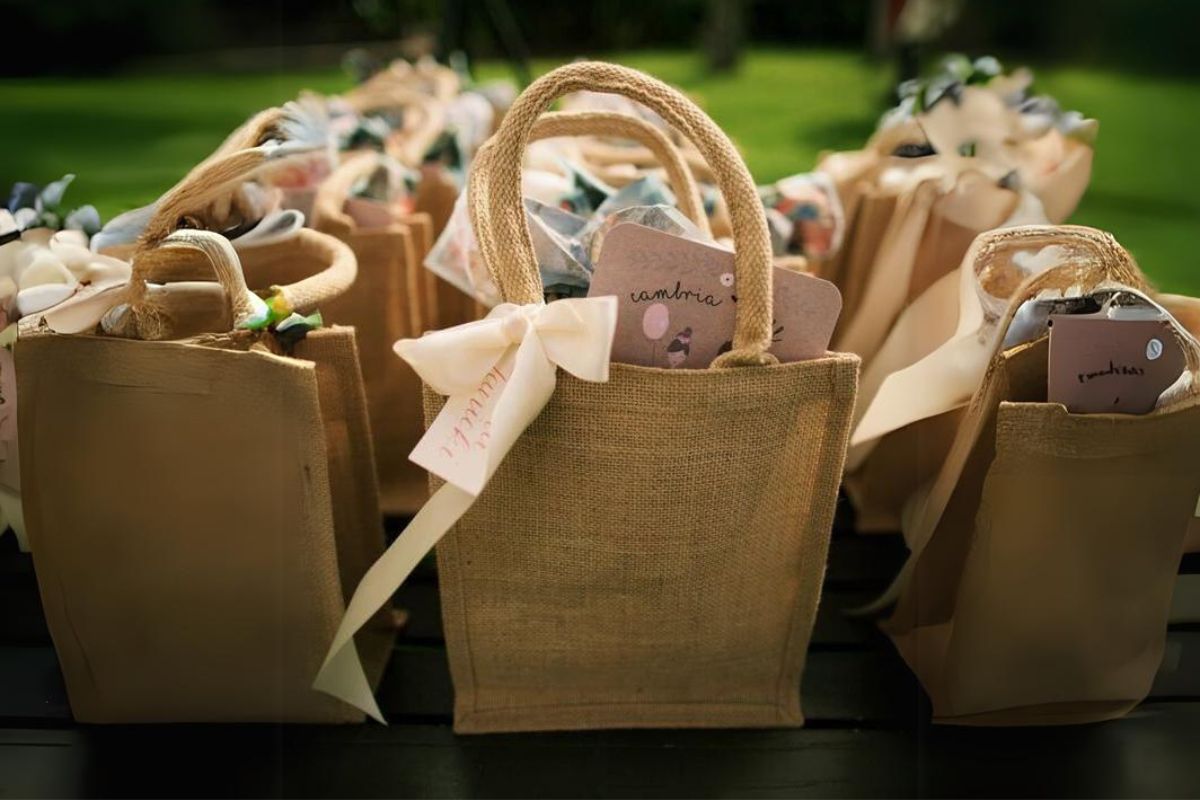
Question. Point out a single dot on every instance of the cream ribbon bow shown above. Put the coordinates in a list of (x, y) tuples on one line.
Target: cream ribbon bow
[(498, 373)]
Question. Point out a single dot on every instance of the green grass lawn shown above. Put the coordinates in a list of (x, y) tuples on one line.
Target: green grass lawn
[(130, 138)]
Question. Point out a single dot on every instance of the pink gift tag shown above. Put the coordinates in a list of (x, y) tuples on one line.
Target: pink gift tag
[(1121, 366), (677, 300)]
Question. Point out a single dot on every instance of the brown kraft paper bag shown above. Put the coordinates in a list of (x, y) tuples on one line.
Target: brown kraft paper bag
[(1045, 552)]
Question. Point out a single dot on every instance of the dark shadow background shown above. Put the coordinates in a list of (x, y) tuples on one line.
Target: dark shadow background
[(79, 37)]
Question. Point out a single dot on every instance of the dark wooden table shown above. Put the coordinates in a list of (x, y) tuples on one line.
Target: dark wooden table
[(867, 734)]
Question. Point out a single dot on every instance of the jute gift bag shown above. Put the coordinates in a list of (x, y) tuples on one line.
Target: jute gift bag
[(650, 551), (383, 305), (423, 120), (1045, 552), (199, 502)]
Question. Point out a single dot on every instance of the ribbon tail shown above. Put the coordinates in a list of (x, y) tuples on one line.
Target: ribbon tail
[(940, 382), (342, 674), (12, 516)]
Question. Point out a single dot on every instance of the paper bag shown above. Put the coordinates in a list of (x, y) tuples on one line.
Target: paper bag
[(1045, 551)]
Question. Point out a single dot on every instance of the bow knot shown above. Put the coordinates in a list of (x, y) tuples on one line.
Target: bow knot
[(499, 373), (515, 326), (575, 334)]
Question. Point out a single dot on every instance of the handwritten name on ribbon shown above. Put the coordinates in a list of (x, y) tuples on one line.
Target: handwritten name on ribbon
[(498, 374)]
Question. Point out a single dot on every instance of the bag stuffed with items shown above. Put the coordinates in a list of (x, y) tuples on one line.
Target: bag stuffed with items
[(1045, 551), (568, 218), (966, 150), (624, 546), (389, 300), (199, 490)]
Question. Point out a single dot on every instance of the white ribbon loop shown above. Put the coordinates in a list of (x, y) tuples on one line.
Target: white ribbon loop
[(498, 373)]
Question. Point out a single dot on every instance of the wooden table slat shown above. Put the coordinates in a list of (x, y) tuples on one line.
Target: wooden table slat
[(1149, 754)]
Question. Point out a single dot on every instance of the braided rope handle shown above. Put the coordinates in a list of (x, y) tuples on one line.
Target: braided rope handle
[(215, 177), (309, 293), (208, 182), (218, 176), (147, 317), (625, 126), (603, 154), (261, 128), (494, 192)]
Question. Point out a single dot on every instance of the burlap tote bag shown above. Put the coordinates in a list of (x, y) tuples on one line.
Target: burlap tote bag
[(199, 503), (423, 120), (1045, 552), (436, 190), (650, 551)]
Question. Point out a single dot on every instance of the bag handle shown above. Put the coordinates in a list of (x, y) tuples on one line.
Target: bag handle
[(1094, 259), (427, 75), (216, 177), (259, 129), (625, 126), (409, 144), (329, 215), (606, 155), (149, 316), (328, 212), (214, 180), (506, 246), (240, 155)]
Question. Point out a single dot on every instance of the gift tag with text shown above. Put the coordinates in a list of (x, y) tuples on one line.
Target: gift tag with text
[(677, 300), (1099, 365)]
